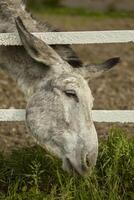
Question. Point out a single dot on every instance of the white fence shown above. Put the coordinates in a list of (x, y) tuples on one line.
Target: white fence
[(122, 116), (86, 37)]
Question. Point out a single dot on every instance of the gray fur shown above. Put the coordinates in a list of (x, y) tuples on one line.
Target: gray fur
[(58, 112)]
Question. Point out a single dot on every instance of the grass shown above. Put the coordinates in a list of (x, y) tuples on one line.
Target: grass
[(33, 174), (59, 10)]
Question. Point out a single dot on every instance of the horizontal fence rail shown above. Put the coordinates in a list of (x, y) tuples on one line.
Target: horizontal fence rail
[(122, 116), (83, 37)]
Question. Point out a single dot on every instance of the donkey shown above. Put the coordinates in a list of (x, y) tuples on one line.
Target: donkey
[(55, 83)]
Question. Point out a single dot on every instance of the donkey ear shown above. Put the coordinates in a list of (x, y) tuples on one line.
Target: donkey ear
[(92, 71), (36, 48)]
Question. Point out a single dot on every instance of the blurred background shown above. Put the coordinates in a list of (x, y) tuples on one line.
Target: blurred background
[(91, 4), (113, 90)]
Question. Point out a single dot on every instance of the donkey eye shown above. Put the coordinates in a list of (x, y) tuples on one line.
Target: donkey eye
[(72, 94)]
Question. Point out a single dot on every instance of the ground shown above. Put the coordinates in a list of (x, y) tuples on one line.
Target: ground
[(113, 90)]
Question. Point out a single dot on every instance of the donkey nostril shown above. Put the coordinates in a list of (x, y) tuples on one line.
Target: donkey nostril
[(87, 160), (86, 164)]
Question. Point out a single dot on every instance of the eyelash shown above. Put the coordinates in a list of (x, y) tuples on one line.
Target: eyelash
[(72, 94)]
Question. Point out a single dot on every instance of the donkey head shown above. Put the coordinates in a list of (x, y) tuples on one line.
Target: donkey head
[(59, 113)]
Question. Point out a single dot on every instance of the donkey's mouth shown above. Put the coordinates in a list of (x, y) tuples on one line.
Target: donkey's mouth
[(68, 166), (74, 168), (71, 166)]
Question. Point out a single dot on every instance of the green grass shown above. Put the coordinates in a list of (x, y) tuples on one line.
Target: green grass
[(59, 10), (32, 174)]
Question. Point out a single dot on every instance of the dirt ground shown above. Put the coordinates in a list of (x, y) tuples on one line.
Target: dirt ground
[(114, 90)]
